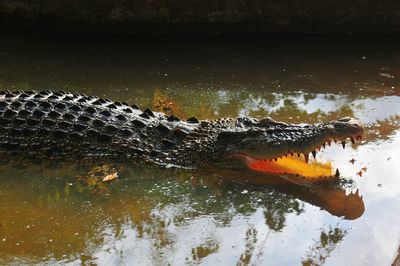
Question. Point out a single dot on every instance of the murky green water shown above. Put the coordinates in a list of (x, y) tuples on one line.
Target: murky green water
[(158, 216)]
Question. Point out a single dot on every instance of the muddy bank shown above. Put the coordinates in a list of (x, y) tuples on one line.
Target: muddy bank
[(210, 16)]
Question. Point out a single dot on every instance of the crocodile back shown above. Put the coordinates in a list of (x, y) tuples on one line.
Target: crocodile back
[(56, 123)]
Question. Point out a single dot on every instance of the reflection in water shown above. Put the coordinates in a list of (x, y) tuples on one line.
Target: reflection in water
[(143, 203), (251, 241), (150, 215), (142, 207), (203, 251), (330, 196), (326, 244)]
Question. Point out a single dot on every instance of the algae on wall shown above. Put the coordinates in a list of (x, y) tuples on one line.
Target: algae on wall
[(273, 13)]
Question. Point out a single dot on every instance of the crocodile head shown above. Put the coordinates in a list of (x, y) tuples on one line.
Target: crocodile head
[(280, 148)]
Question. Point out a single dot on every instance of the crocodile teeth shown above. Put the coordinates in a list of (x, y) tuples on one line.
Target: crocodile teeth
[(314, 154), (337, 174)]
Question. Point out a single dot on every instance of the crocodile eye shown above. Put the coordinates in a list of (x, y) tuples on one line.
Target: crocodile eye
[(344, 119)]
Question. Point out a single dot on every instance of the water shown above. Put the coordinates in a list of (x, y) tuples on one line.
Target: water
[(150, 215)]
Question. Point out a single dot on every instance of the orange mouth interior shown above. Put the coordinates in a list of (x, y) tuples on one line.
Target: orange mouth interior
[(292, 164)]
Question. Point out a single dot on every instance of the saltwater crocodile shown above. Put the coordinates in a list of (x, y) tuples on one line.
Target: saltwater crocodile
[(49, 124)]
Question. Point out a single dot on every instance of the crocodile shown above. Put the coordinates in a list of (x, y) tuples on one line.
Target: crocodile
[(53, 124)]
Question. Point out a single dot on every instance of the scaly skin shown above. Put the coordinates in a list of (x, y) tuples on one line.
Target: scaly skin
[(55, 124)]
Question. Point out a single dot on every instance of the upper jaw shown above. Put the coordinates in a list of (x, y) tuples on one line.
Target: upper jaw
[(307, 149), (264, 144)]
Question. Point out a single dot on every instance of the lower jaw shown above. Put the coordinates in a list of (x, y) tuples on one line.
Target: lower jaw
[(292, 165)]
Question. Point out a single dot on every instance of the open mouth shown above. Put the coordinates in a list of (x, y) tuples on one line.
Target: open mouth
[(299, 163)]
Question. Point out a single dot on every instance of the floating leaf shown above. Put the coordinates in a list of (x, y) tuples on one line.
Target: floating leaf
[(110, 177)]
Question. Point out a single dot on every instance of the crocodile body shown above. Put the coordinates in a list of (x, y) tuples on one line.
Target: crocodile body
[(53, 124)]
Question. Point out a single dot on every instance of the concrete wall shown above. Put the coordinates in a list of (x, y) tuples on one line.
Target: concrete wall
[(210, 16)]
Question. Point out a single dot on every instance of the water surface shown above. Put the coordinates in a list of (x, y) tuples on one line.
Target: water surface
[(150, 215)]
